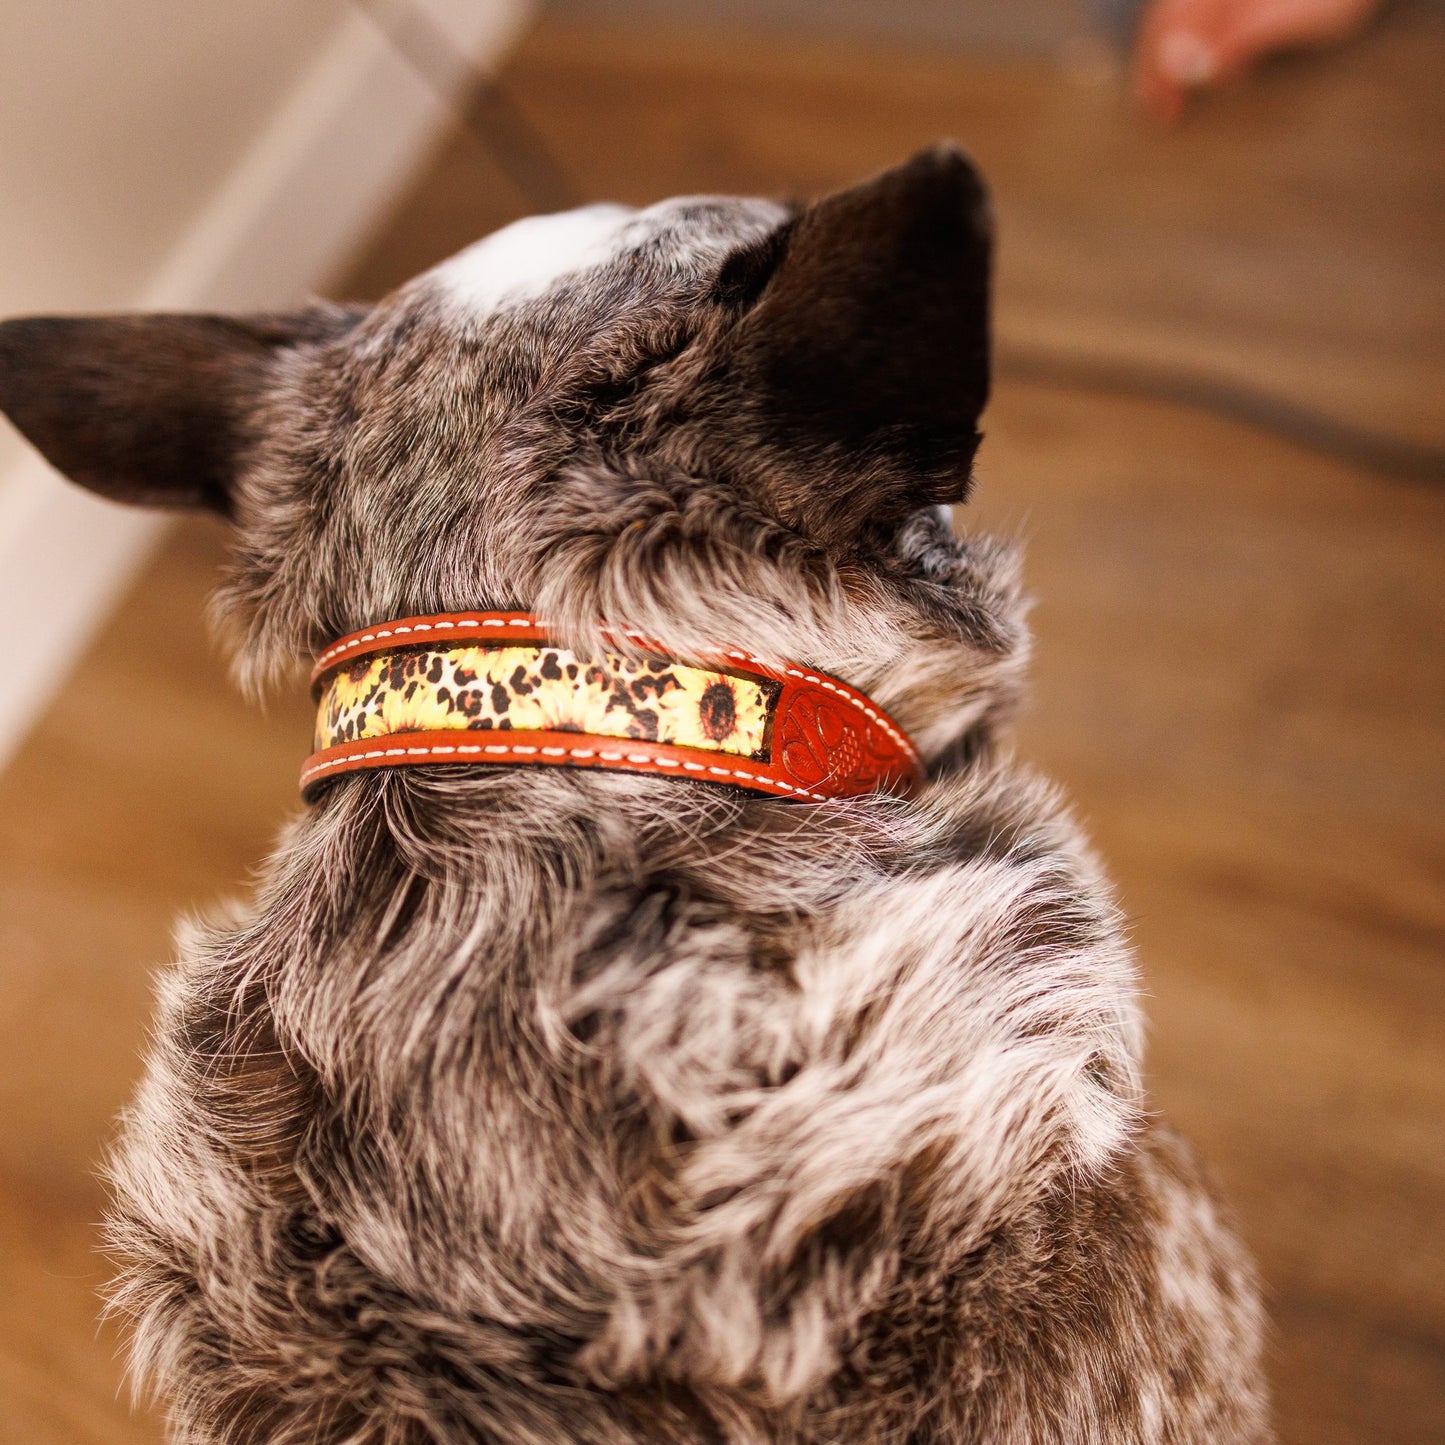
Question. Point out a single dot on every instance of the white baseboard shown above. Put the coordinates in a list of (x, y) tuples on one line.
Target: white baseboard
[(300, 201)]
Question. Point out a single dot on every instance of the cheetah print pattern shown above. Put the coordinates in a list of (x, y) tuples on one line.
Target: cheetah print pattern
[(544, 688)]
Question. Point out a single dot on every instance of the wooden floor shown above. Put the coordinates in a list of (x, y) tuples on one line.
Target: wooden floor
[(1239, 670)]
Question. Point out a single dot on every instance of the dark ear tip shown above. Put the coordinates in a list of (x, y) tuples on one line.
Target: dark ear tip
[(18, 336), (947, 171), (12, 346), (25, 343), (949, 160)]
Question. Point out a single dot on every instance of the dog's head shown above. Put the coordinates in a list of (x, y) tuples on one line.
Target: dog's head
[(716, 421)]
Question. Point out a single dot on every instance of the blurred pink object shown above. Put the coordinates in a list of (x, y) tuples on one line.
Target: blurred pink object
[(1188, 45)]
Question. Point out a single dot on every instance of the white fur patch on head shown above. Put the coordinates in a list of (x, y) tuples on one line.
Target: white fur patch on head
[(526, 258)]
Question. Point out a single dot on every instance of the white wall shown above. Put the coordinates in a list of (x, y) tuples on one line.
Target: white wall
[(174, 154), (116, 119)]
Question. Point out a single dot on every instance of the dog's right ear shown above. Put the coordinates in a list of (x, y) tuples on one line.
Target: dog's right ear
[(850, 386), (154, 410)]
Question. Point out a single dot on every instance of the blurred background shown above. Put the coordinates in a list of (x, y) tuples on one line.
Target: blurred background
[(1219, 425)]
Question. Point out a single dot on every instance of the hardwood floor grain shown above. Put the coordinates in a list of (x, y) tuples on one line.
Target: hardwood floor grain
[(1238, 672)]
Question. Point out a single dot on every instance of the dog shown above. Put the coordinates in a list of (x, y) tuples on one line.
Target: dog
[(777, 1080)]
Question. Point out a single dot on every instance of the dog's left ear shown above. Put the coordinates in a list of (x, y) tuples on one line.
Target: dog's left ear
[(861, 368), (155, 410)]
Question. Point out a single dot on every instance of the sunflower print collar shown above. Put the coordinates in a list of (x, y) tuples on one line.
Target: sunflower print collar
[(493, 689)]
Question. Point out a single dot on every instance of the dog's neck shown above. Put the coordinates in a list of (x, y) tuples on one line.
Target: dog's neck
[(493, 689)]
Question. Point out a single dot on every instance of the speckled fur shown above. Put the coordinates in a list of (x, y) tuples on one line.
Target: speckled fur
[(539, 1107)]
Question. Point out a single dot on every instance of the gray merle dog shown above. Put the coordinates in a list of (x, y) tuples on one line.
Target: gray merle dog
[(555, 1104)]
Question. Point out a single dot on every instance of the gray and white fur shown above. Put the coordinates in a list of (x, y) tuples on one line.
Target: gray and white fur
[(538, 1106)]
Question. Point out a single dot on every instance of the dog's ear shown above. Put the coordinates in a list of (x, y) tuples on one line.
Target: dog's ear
[(154, 410), (861, 363)]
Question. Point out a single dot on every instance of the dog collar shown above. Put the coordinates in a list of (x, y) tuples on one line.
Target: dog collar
[(492, 688)]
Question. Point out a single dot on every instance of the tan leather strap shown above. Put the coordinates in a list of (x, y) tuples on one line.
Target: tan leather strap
[(492, 688)]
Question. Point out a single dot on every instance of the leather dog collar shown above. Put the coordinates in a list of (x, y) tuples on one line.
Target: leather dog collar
[(491, 688)]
